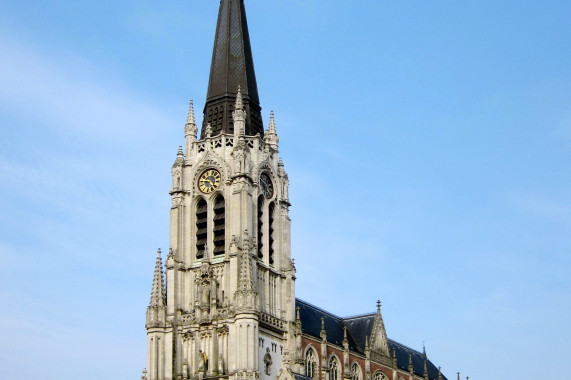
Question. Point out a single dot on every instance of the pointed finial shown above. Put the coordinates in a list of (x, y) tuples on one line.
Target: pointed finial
[(424, 350), (439, 373), (144, 375), (366, 342), (458, 375), (410, 367), (272, 126), (344, 332), (297, 317), (322, 323), (179, 160), (190, 117), (208, 130), (158, 290), (378, 306), (239, 101)]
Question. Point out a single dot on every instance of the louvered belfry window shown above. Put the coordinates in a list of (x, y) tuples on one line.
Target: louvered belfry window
[(260, 226), (219, 225), (271, 232), (201, 227)]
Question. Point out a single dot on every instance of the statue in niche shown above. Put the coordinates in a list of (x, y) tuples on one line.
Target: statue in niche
[(205, 299), (285, 186), (176, 182), (238, 163), (267, 361), (220, 365), (185, 369), (246, 165), (204, 360)]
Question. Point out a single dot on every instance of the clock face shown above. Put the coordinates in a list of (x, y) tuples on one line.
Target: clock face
[(209, 181), (266, 185)]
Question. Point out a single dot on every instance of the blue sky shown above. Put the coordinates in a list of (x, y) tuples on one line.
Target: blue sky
[(427, 143)]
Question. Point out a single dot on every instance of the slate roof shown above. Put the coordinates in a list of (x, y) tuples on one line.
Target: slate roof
[(232, 66), (358, 328)]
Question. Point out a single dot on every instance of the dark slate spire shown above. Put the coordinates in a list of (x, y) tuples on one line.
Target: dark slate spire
[(232, 66)]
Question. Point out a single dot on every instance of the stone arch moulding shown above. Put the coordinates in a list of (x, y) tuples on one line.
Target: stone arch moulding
[(309, 347), (338, 363), (265, 167), (358, 366)]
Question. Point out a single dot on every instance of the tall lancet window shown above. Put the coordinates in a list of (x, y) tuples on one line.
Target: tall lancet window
[(311, 364), (260, 226), (271, 218), (355, 372), (201, 227), (333, 368), (219, 225)]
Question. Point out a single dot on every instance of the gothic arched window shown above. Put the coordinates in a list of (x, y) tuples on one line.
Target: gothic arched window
[(380, 376), (219, 225), (260, 226), (334, 368), (201, 227), (356, 372), (271, 218), (311, 364)]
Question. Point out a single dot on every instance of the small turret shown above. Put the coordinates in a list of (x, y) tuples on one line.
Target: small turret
[(190, 129), (158, 296), (190, 116), (239, 115), (156, 312), (176, 170), (271, 137), (179, 156)]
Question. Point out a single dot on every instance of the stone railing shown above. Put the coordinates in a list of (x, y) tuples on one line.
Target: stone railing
[(272, 321)]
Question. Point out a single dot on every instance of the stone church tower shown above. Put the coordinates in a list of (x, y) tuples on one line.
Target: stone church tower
[(224, 305), (227, 305)]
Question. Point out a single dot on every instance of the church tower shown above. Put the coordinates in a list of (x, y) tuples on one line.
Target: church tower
[(225, 307)]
